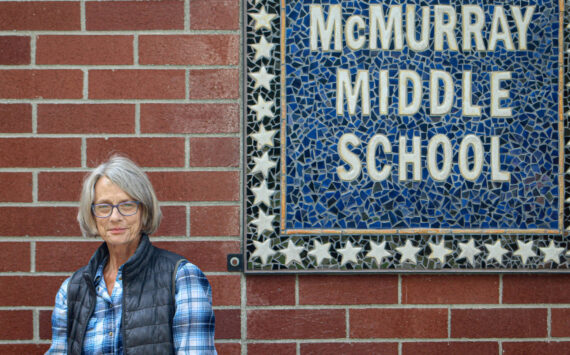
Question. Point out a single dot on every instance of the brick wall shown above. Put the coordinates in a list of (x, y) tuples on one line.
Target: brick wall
[(160, 82)]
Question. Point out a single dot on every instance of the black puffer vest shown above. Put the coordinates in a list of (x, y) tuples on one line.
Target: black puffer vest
[(148, 300)]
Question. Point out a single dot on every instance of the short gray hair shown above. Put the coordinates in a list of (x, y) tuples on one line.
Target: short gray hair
[(130, 178)]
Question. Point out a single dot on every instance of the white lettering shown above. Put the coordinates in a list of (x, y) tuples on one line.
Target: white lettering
[(348, 157), (413, 158), (378, 139), (473, 142), (387, 30), (405, 107), (343, 83), (318, 28)]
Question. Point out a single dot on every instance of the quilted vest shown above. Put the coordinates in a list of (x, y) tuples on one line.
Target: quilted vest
[(148, 300)]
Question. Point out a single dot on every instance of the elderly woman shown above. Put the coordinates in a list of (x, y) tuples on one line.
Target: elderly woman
[(132, 297)]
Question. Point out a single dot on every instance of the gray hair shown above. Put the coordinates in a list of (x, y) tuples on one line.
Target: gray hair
[(131, 179)]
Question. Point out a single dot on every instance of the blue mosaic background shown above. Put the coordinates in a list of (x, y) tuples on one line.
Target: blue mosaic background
[(315, 196)]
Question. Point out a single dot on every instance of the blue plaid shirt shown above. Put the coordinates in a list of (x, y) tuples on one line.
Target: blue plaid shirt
[(192, 326)]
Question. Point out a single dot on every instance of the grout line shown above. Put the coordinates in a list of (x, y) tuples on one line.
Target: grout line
[(34, 118), (136, 50), (186, 15), (35, 187), (297, 290), (83, 16), (33, 257), (549, 323), (243, 312), (501, 289), (33, 49), (137, 119), (85, 84)]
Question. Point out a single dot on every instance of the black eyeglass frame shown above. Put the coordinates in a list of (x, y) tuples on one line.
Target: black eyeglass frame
[(117, 206)]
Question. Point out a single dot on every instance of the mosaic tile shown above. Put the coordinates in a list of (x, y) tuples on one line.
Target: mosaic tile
[(303, 215)]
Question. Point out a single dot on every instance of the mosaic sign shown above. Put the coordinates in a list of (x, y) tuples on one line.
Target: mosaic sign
[(406, 136)]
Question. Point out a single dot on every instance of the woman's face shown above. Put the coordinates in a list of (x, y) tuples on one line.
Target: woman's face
[(117, 230)]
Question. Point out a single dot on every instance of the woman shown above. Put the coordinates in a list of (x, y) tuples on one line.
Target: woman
[(131, 297)]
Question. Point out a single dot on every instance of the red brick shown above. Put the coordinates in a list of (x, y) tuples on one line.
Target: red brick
[(38, 221), (16, 325), (272, 348), (450, 348), (263, 290), (14, 256), (398, 323), (29, 290), (162, 152), (228, 348), (214, 151), (214, 84), (60, 186), (445, 289), (64, 256), (137, 84), (16, 187), (86, 118), (536, 288), (40, 16), (16, 118), (216, 49), (214, 221), (40, 152), (498, 323), (84, 50), (134, 15), (189, 118), (173, 221), (348, 289), (44, 84), (228, 323), (196, 185), (560, 326), (45, 324), (349, 348), (296, 324), (14, 50), (226, 290), (214, 14), (536, 348), (20, 348), (208, 256)]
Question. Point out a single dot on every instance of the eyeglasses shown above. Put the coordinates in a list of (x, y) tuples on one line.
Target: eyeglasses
[(104, 210)]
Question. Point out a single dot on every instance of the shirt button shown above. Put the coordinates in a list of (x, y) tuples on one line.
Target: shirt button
[(110, 334)]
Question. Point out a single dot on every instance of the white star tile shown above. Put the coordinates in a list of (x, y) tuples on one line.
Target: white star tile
[(263, 223), (496, 251), (469, 251), (264, 137), (320, 251), (262, 108), (292, 253), (262, 251), (524, 251), (262, 19), (349, 253), (262, 194), (262, 78), (378, 252), (263, 164), (439, 251), (552, 253), (262, 49), (408, 252)]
